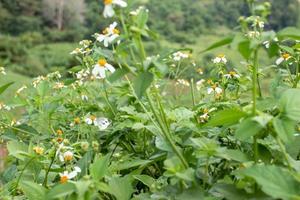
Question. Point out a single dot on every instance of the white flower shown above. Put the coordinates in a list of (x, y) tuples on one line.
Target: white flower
[(90, 120), (220, 59), (84, 97), (102, 123), (199, 84), (65, 176), (108, 7), (137, 11), (101, 67), (21, 89), (232, 74), (37, 80), (283, 57), (258, 23), (85, 43), (177, 56), (67, 156), (59, 85), (108, 35), (253, 34), (2, 70), (76, 51), (214, 89), (4, 107), (182, 82)]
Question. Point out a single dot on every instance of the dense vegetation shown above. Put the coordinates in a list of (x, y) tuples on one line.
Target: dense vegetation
[(129, 123), (31, 31)]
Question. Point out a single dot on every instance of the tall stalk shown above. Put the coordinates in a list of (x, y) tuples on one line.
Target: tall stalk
[(254, 98)]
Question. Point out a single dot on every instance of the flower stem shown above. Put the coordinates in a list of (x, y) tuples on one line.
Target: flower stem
[(193, 92)]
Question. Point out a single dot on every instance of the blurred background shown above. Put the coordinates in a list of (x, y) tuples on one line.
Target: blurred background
[(37, 36)]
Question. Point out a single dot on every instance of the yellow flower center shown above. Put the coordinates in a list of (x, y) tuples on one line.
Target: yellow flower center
[(205, 110), (209, 81), (232, 73), (107, 2), (214, 86), (102, 62), (92, 117), (77, 120), (116, 31), (221, 55), (59, 140), (105, 31), (38, 150), (63, 179), (68, 157), (286, 56), (59, 132)]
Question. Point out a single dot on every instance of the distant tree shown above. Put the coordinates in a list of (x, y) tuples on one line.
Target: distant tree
[(62, 13)]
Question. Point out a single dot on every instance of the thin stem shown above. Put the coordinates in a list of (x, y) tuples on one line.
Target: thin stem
[(193, 92), (166, 133), (283, 150), (106, 98), (48, 170), (26, 165), (254, 81)]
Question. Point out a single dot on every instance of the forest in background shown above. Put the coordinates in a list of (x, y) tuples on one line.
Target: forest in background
[(36, 35)]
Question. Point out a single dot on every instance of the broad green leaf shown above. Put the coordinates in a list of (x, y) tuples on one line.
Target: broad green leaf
[(275, 181), (247, 129), (289, 32), (82, 187), (5, 86), (119, 73), (220, 43), (142, 82), (99, 168), (226, 117), (17, 149), (145, 179), (61, 190), (244, 49), (33, 191), (121, 187), (285, 128), (233, 154), (129, 163), (290, 104), (195, 193)]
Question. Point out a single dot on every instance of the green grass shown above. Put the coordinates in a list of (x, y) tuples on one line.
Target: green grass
[(18, 80)]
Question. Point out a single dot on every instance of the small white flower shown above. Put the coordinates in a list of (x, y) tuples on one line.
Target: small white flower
[(182, 82), (37, 80), (177, 56), (2, 70), (220, 59), (84, 97), (253, 34), (85, 43), (90, 120), (283, 57), (76, 51), (108, 7), (232, 74), (101, 67), (108, 35), (18, 92), (59, 85), (102, 123), (214, 89), (65, 176), (199, 84), (137, 11), (67, 156)]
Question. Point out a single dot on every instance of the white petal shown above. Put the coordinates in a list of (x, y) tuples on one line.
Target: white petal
[(77, 169), (96, 70), (110, 67), (209, 90), (113, 37), (279, 60), (100, 37), (89, 121), (106, 41), (102, 72), (218, 90), (120, 3), (72, 174), (61, 158), (108, 11)]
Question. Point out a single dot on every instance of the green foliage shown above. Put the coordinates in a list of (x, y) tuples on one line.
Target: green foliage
[(122, 124)]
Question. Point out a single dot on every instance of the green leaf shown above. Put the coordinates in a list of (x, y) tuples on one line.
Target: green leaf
[(142, 82), (82, 187), (247, 128), (244, 49), (285, 128), (233, 154), (275, 181), (99, 168), (220, 43), (120, 187), (119, 73), (61, 190), (17, 149), (289, 103), (289, 32), (33, 191), (145, 179), (226, 117), (5, 86)]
